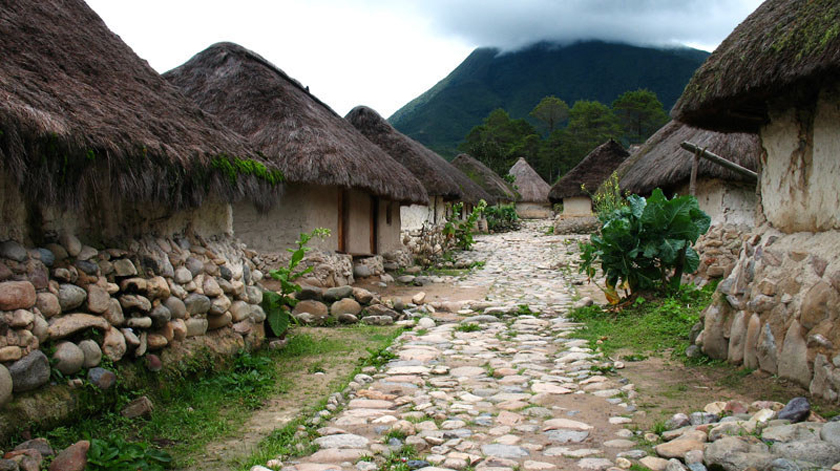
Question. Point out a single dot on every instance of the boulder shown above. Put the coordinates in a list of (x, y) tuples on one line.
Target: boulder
[(114, 315), (70, 296), (339, 292), (137, 408), (98, 299), (17, 295), (345, 306), (793, 362), (92, 353), (72, 458), (68, 358), (737, 454), (30, 372), (101, 378), (13, 250), (135, 302), (48, 304), (197, 304), (796, 410), (64, 326), (813, 451), (6, 386), (177, 308), (316, 309), (113, 345)]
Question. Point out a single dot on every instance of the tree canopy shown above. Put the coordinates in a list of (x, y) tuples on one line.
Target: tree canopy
[(569, 134)]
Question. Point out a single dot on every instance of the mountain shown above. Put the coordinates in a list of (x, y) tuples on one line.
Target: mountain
[(517, 81)]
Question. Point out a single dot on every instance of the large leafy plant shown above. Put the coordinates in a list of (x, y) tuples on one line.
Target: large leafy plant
[(276, 304), (502, 218), (459, 231), (646, 245)]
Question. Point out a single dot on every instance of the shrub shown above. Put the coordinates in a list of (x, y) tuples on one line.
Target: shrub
[(461, 232), (502, 218), (276, 305), (646, 245)]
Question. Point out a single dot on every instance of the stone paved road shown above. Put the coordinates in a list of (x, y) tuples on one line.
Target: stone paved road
[(517, 394)]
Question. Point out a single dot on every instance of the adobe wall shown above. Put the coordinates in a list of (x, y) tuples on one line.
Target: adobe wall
[(302, 209), (358, 222), (577, 206), (533, 210), (389, 238), (726, 202), (413, 217), (799, 179)]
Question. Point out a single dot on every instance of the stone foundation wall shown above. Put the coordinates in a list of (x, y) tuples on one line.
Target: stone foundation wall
[(719, 249), (72, 305), (779, 308), (328, 268), (533, 210), (566, 224)]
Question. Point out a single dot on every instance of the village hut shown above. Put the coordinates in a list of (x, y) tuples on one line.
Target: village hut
[(533, 190), (726, 196), (486, 178), (336, 179), (778, 74), (444, 183), (575, 188), (115, 219), (94, 142)]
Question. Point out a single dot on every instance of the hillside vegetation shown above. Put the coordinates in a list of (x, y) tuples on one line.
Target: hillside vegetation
[(516, 81)]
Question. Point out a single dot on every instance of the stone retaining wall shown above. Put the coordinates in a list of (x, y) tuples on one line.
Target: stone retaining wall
[(70, 305), (719, 249), (778, 309)]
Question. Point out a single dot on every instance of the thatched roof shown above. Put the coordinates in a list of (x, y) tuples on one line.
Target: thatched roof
[(438, 176), (82, 118), (593, 170), (293, 129), (661, 162), (530, 185), (784, 47), (486, 178)]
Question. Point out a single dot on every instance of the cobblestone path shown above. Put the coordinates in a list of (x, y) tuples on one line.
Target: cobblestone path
[(519, 393)]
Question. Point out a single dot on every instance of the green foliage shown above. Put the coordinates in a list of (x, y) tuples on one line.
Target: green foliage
[(233, 167), (640, 113), (248, 378), (551, 111), (442, 116), (649, 328), (460, 232), (500, 140), (502, 218), (468, 327), (608, 198), (119, 454), (276, 305), (646, 245)]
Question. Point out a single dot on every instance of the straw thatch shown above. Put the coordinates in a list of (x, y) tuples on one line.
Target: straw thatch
[(785, 46), (486, 178), (83, 118), (593, 170), (661, 162), (293, 129), (530, 185), (438, 176)]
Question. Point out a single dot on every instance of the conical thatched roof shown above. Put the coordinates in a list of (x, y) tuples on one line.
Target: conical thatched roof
[(82, 117), (438, 176), (661, 162), (486, 178), (784, 46), (530, 185), (293, 129), (593, 170)]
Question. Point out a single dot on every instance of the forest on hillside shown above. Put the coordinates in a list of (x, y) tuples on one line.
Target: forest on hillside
[(564, 135)]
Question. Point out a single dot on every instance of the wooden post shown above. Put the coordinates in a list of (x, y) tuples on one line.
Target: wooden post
[(720, 161), (695, 163)]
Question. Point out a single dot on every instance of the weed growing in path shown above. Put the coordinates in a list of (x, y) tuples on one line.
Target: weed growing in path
[(469, 327)]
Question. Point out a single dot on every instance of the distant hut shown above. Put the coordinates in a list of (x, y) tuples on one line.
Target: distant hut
[(444, 183), (486, 178), (533, 190), (778, 74), (574, 189), (726, 196), (336, 178), (94, 142)]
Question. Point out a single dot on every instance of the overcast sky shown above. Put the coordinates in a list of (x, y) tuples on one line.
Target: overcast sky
[(383, 53)]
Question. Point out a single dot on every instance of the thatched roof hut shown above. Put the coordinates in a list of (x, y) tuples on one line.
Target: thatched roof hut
[(530, 185), (293, 129), (783, 46), (593, 170), (661, 162), (484, 177), (83, 118), (438, 176)]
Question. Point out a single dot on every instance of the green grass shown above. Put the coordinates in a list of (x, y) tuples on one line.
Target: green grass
[(209, 399), (469, 327), (647, 327)]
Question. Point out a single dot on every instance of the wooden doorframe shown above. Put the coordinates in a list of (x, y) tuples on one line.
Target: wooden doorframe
[(374, 225), (342, 220)]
